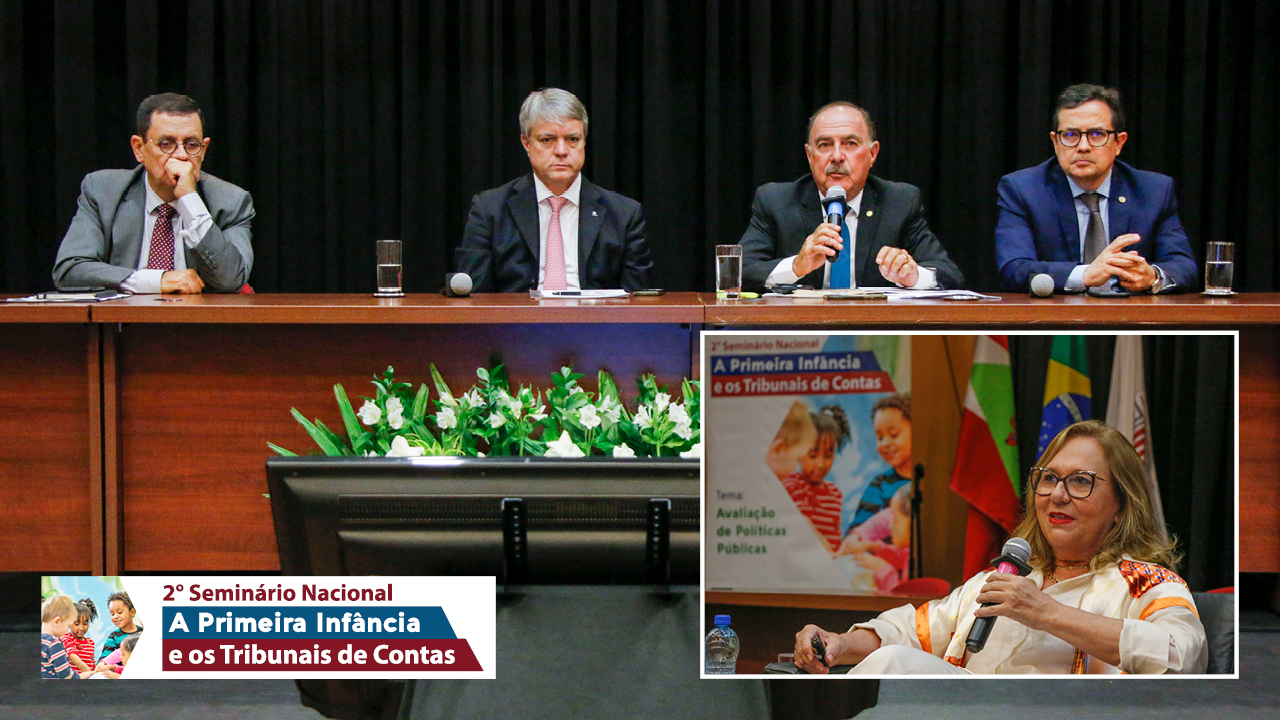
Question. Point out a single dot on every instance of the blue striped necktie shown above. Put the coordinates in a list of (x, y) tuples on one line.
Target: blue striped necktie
[(840, 276)]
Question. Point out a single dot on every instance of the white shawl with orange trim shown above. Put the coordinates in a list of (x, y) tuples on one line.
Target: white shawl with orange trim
[(1162, 631)]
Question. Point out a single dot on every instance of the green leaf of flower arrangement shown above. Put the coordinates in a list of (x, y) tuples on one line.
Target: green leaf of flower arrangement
[(354, 432), (442, 388), (324, 438), (420, 405), (281, 451)]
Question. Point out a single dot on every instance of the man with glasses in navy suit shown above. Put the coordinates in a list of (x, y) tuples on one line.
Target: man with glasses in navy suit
[(1087, 219)]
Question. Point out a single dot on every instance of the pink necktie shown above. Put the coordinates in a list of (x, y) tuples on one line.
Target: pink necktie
[(553, 276), (160, 257)]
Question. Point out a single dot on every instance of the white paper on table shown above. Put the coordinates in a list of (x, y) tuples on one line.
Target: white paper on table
[(577, 294)]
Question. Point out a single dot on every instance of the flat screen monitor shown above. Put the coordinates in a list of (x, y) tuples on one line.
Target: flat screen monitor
[(524, 520)]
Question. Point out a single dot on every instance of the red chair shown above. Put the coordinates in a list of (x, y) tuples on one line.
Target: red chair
[(936, 587), (1224, 590)]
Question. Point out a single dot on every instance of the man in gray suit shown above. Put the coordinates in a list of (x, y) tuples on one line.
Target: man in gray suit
[(886, 239), (130, 224)]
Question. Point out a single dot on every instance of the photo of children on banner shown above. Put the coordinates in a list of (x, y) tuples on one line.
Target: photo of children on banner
[(877, 540), (57, 614), (79, 646), (794, 438), (75, 654), (820, 501), (122, 616)]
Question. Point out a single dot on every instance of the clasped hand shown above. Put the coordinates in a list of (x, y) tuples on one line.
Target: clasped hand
[(184, 282), (1134, 271), (1016, 598), (181, 175), (895, 264)]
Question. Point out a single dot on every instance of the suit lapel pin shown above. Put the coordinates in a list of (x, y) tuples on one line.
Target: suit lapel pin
[(596, 214), (870, 213), (1121, 198)]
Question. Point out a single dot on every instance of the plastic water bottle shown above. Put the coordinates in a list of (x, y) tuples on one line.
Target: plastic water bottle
[(722, 648)]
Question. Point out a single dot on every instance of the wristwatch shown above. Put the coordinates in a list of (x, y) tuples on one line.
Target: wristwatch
[(1159, 283)]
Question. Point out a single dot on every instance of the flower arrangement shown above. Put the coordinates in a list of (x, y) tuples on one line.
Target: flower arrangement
[(491, 418)]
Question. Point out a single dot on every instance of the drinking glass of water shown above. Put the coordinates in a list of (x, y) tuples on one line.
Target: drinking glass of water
[(1219, 261), (729, 270), (389, 269)]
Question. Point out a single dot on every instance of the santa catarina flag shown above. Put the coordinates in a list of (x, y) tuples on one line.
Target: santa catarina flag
[(986, 469), (1066, 388)]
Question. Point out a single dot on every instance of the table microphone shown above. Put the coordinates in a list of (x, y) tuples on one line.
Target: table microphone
[(457, 285), (1017, 553), (834, 202), (1042, 286)]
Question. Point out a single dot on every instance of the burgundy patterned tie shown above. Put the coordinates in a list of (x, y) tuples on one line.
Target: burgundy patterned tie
[(160, 257), (553, 276)]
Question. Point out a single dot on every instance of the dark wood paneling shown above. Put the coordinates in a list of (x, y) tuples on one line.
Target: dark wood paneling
[(1260, 450), (45, 446), (1012, 311), (198, 404), (411, 309)]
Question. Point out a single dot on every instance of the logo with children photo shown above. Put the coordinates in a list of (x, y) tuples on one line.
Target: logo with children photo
[(809, 462), (242, 627)]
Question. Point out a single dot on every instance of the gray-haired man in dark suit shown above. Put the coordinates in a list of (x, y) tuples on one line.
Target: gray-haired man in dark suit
[(163, 226), (885, 241)]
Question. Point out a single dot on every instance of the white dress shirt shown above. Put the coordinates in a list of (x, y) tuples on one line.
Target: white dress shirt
[(568, 230), (1075, 281), (783, 273), (189, 226)]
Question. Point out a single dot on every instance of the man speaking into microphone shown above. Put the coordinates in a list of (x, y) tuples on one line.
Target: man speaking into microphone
[(1098, 596), (883, 239)]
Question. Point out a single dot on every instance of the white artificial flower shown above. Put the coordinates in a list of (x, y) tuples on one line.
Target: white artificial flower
[(538, 414), (684, 430), (564, 447), (642, 419), (515, 406), (496, 420), (576, 390), (369, 413), (623, 451), (660, 401), (678, 414), (693, 452), (401, 448), (447, 400), (610, 410), (588, 417), (446, 419), (395, 413)]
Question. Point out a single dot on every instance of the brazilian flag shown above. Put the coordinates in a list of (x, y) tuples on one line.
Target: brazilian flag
[(1066, 388)]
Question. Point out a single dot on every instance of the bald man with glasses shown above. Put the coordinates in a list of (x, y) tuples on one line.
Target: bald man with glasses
[(164, 226), (1087, 219)]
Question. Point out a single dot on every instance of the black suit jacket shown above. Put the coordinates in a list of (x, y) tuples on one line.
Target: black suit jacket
[(500, 248), (784, 214)]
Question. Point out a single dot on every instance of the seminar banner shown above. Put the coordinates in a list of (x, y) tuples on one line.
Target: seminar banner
[(225, 627), (807, 441)]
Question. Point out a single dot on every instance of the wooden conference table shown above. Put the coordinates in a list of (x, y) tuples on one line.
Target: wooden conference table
[(134, 432)]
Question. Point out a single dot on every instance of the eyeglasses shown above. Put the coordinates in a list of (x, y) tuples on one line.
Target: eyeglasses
[(1097, 137), (1079, 484), (169, 147)]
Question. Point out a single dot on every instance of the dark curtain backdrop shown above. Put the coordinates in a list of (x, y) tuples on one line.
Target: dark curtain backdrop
[(1191, 403), (350, 121)]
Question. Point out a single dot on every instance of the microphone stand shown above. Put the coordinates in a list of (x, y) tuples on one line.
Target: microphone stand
[(917, 561)]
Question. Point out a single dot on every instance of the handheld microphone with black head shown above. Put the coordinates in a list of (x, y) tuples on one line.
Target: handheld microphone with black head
[(834, 203), (1017, 553)]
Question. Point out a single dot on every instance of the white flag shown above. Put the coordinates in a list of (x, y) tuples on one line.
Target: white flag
[(1127, 412)]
